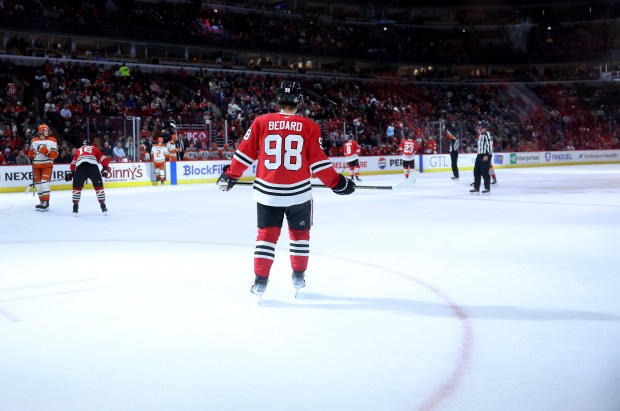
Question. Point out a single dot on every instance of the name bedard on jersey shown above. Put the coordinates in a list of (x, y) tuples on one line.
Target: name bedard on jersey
[(285, 125)]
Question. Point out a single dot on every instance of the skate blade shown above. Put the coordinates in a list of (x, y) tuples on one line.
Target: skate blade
[(297, 288)]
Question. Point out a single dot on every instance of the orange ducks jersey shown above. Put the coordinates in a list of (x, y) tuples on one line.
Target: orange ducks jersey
[(43, 150), (159, 153)]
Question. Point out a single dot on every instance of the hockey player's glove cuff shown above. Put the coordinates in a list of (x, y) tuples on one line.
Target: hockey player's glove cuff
[(106, 172), (345, 186), (225, 182)]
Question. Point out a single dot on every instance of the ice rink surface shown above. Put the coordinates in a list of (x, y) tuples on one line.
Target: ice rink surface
[(427, 298)]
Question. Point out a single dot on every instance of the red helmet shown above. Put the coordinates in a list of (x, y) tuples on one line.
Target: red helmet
[(42, 127)]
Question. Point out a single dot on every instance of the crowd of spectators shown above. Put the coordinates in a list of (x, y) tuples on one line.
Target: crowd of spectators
[(92, 99)]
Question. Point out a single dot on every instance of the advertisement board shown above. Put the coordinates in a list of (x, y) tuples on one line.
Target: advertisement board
[(17, 178)]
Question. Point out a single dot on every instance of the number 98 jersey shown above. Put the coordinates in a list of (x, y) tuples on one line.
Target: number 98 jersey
[(287, 150)]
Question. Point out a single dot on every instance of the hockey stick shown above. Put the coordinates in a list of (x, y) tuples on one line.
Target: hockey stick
[(41, 182), (405, 183)]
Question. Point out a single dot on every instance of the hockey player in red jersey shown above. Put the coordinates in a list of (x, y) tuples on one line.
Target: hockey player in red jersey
[(287, 149), (352, 151), (85, 166), (430, 146), (408, 147)]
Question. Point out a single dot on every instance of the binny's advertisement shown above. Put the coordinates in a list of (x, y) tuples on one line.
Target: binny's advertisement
[(16, 178)]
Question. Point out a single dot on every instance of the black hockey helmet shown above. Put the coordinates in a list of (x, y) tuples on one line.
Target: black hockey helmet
[(289, 93), (86, 142)]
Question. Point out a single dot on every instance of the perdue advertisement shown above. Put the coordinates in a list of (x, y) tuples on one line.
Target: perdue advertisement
[(17, 178)]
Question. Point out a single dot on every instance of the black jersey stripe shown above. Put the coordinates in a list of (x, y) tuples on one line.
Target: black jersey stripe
[(280, 194), (243, 158), (320, 165)]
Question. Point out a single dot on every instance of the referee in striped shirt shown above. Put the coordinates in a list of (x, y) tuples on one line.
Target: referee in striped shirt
[(483, 159), (454, 153)]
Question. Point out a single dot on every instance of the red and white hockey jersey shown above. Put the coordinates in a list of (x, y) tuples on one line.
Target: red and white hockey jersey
[(408, 148), (430, 146), (351, 150), (287, 150), (88, 154)]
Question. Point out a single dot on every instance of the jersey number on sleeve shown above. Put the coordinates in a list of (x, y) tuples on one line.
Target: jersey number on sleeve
[(290, 157)]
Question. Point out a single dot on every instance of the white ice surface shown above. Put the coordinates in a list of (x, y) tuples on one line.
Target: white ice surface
[(427, 298)]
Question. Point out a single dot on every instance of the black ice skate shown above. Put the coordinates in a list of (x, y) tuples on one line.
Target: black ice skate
[(39, 206), (454, 178), (44, 206), (358, 178), (474, 190), (299, 280), (75, 209), (104, 209), (494, 182), (260, 284), (486, 191)]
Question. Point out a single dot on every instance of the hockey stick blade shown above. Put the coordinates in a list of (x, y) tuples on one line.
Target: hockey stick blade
[(32, 185)]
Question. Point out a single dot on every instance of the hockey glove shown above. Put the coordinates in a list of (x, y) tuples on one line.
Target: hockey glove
[(106, 172), (345, 186), (68, 176), (225, 182)]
